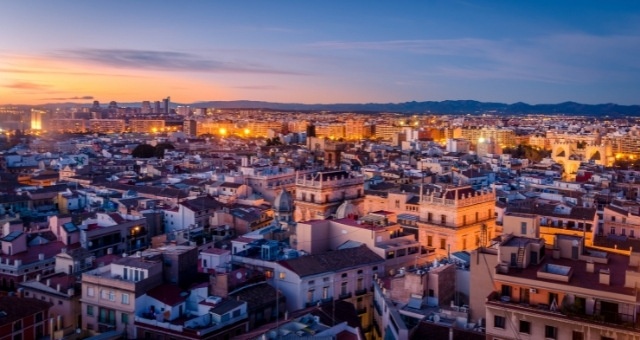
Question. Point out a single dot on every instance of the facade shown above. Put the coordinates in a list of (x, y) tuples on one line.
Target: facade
[(24, 318), (109, 293), (67, 125), (146, 125), (455, 218), (345, 274), (107, 125), (318, 195)]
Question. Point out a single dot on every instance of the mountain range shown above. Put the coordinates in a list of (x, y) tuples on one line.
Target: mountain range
[(433, 107)]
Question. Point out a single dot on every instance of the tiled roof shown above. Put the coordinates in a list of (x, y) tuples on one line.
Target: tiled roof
[(332, 261), (17, 308), (168, 294)]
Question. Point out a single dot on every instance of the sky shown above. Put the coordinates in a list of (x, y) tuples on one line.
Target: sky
[(320, 51)]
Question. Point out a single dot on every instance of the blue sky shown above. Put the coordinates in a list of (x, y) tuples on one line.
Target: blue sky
[(320, 52)]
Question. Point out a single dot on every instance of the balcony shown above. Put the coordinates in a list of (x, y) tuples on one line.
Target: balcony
[(344, 296), (610, 320), (361, 291), (312, 303)]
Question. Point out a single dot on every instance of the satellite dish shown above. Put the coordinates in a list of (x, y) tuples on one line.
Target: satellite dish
[(238, 275)]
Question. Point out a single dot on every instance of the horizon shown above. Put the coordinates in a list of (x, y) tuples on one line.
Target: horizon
[(314, 54)]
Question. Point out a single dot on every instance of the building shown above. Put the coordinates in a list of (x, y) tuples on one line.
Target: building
[(37, 119), (109, 293), (455, 218), (146, 125), (24, 318), (565, 292), (317, 196), (344, 274), (107, 125)]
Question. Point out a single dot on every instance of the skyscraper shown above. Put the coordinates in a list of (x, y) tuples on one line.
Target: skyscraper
[(166, 104)]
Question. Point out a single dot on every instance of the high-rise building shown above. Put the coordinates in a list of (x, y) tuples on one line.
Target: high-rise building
[(36, 119), (166, 101), (146, 107)]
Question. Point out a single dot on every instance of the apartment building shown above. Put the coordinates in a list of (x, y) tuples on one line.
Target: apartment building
[(109, 293), (107, 125), (146, 125), (317, 196), (455, 218)]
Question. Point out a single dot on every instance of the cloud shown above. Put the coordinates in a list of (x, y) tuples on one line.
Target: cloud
[(558, 58), (256, 87), (25, 85), (166, 61), (71, 98)]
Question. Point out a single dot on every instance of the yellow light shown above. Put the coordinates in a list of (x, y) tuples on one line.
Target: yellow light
[(247, 131), (481, 140), (154, 130), (223, 131)]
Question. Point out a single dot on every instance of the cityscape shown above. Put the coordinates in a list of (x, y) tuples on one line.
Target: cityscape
[(350, 171)]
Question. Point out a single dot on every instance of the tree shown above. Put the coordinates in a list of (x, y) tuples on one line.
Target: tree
[(143, 151), (160, 149)]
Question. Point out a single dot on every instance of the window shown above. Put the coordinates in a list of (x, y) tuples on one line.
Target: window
[(443, 243), (104, 294), (125, 299), (90, 291), (498, 321), (325, 293), (525, 327), (550, 332), (631, 233), (506, 290), (236, 313), (17, 325), (282, 275), (577, 335), (523, 228), (477, 216), (89, 310), (613, 230), (464, 219), (397, 204), (443, 219), (553, 297), (112, 296), (613, 218), (464, 243), (429, 217), (429, 241), (624, 232), (124, 318), (39, 317), (343, 288)]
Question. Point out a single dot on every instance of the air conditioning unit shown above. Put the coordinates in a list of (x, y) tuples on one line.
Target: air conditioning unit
[(533, 290)]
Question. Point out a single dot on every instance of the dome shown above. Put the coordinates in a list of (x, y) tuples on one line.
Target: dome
[(283, 202), (346, 209)]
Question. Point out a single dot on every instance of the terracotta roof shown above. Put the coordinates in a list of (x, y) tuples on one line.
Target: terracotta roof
[(332, 261), (168, 294), (17, 308)]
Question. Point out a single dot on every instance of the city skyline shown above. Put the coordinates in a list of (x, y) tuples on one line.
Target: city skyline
[(333, 52)]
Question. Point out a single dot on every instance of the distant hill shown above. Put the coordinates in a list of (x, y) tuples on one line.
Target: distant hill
[(442, 107), (435, 107)]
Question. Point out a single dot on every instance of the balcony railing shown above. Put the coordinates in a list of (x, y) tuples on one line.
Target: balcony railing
[(612, 320), (345, 295), (361, 291)]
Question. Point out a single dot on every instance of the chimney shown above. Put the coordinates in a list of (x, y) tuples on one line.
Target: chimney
[(48, 282), (58, 287), (109, 251), (38, 277), (605, 278), (40, 257), (590, 266)]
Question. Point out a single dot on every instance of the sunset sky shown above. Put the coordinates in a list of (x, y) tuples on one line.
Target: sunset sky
[(320, 51)]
